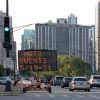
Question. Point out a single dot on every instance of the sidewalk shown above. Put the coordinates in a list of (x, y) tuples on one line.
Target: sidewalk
[(16, 90), (37, 91)]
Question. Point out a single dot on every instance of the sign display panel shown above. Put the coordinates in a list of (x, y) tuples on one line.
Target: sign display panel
[(37, 60)]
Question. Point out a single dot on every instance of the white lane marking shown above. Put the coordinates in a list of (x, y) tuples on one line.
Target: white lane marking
[(76, 92), (51, 95), (79, 96), (65, 95), (36, 95), (94, 96)]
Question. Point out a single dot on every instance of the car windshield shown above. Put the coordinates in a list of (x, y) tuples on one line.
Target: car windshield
[(80, 79), (59, 78), (68, 79), (96, 77), (48, 78)]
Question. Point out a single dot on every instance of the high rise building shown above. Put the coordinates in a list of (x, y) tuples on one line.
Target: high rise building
[(72, 19), (3, 54), (28, 39), (45, 36), (66, 39), (62, 21), (97, 36)]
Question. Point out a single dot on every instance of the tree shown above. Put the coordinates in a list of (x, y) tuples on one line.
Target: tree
[(72, 66)]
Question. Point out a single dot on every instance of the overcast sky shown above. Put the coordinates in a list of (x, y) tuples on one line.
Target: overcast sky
[(25, 12)]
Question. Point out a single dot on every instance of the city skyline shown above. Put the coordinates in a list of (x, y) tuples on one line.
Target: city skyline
[(24, 12)]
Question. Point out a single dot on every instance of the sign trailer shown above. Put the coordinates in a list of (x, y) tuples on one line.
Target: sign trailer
[(37, 60)]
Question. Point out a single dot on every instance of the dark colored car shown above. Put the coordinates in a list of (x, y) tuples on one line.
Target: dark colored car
[(47, 79), (57, 80), (65, 82), (52, 81)]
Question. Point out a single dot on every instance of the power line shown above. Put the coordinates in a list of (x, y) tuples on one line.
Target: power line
[(21, 27)]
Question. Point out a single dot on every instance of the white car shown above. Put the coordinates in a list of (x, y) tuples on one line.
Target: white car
[(25, 83), (94, 81), (79, 83), (4, 79)]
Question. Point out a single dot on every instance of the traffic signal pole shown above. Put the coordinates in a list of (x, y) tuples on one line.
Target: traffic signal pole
[(7, 37), (7, 8), (7, 34), (7, 42)]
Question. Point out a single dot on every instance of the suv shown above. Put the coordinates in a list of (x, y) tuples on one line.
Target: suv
[(94, 81), (57, 80), (47, 79), (65, 82)]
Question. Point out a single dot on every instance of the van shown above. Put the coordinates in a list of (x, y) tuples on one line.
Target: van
[(94, 81), (57, 80)]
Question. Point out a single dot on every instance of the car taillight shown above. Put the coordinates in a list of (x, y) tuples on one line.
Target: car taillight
[(73, 82), (93, 80), (88, 82), (65, 81)]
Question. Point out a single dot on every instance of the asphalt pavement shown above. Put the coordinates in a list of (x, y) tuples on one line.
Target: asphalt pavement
[(57, 94)]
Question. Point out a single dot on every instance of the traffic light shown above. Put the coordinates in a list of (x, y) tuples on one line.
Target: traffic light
[(7, 37), (6, 30)]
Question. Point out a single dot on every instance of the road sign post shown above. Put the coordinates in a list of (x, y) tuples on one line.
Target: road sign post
[(8, 64)]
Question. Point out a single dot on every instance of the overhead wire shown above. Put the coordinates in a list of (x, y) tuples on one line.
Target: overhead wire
[(21, 27)]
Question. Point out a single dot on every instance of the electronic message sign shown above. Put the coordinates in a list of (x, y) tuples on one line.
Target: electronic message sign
[(37, 60)]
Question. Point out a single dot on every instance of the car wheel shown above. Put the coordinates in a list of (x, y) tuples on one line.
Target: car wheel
[(89, 90), (62, 86), (91, 86), (54, 84), (70, 89)]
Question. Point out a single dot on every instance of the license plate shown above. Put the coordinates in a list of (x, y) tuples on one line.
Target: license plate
[(82, 84)]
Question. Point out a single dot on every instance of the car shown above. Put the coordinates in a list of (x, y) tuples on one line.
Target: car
[(51, 82), (65, 82), (4, 79), (57, 80), (47, 79), (79, 83), (94, 81)]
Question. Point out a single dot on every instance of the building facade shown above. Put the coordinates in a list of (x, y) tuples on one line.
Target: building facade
[(61, 21), (45, 36), (28, 39), (67, 39), (72, 19)]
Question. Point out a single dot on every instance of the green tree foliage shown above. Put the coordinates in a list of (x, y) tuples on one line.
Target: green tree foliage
[(71, 66)]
